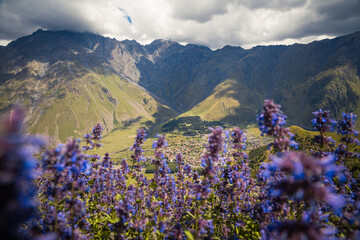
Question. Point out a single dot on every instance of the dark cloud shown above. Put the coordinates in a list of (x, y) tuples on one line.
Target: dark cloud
[(22, 17), (214, 23), (334, 17), (19, 18), (330, 17), (337, 9), (283, 5)]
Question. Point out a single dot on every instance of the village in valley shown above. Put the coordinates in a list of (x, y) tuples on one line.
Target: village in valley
[(193, 147)]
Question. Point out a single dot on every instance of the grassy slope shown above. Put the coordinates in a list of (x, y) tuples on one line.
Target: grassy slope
[(305, 140), (337, 90), (230, 102), (305, 137), (65, 103)]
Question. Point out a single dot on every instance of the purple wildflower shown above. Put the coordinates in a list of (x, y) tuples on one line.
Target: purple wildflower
[(214, 146), (92, 141), (139, 140), (238, 142), (323, 123), (272, 122)]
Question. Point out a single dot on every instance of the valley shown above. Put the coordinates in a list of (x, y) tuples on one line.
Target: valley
[(67, 82)]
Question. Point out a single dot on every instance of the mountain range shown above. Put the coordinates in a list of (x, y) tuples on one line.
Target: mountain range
[(68, 81)]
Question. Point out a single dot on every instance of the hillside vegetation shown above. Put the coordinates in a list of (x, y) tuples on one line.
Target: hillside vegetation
[(69, 81)]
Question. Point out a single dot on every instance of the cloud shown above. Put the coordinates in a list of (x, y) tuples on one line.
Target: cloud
[(213, 23), (283, 5), (21, 17), (4, 42), (337, 17), (199, 11)]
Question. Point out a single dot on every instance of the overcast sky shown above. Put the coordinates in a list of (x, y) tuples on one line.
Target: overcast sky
[(213, 23)]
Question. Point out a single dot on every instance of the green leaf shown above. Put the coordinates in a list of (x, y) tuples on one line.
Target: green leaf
[(191, 214), (189, 235), (115, 220)]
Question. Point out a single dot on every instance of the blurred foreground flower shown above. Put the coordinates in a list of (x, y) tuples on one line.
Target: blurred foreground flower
[(16, 175)]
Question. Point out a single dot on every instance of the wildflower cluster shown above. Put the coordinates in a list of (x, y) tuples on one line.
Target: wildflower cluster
[(238, 143), (92, 141), (65, 169), (17, 166), (314, 184), (323, 123), (215, 145), (138, 155), (345, 127), (272, 122), (293, 196)]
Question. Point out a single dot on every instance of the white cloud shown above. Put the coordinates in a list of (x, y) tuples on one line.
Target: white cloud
[(213, 23), (289, 41), (4, 42)]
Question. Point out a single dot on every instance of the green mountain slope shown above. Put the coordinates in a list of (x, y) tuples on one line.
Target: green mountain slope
[(231, 102), (69, 100), (302, 78), (66, 83), (234, 102), (69, 81)]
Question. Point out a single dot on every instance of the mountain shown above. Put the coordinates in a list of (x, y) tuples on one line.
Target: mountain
[(67, 87), (68, 81), (302, 78)]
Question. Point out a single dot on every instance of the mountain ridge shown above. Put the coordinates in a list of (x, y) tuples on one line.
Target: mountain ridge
[(227, 84)]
